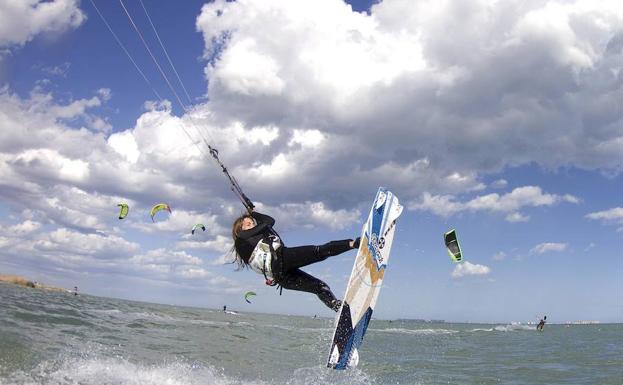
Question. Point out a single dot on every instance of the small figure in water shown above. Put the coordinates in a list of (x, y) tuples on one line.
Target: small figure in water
[(75, 290), (541, 323), (257, 246), (224, 308)]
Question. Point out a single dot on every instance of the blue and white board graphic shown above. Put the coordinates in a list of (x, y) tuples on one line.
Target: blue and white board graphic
[(365, 281)]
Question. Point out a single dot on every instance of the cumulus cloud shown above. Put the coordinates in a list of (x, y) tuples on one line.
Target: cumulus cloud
[(182, 221), (547, 247), (21, 21), (412, 96), (613, 215), (521, 197), (72, 250), (163, 256), (66, 182), (312, 215), (23, 228), (220, 243), (466, 268), (388, 90), (500, 183), (517, 217)]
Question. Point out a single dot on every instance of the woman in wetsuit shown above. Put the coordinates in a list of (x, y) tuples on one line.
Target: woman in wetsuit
[(258, 247)]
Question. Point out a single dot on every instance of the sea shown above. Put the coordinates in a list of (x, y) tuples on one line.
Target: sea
[(58, 338)]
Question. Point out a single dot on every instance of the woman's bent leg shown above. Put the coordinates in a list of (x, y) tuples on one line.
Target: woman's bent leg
[(295, 257), (301, 281)]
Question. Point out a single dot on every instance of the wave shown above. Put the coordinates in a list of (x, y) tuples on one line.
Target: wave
[(513, 327), (105, 311), (416, 331), (120, 371), (299, 329)]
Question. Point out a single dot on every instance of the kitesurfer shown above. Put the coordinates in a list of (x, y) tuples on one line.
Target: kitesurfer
[(541, 323), (257, 246)]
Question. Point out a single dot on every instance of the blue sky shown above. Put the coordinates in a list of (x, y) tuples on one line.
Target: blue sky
[(500, 120)]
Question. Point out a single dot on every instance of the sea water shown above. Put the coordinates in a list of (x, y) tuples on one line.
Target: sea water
[(59, 338)]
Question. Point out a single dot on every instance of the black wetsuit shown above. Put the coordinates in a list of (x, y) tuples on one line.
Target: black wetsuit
[(287, 261)]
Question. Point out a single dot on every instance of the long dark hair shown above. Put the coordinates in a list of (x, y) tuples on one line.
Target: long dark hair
[(236, 228)]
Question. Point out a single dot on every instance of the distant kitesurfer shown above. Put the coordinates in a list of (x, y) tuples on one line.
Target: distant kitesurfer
[(75, 290), (541, 323), (257, 246), (224, 308)]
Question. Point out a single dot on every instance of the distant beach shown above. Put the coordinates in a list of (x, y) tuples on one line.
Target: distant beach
[(21, 281)]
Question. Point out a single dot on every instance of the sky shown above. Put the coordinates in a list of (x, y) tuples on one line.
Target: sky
[(502, 120)]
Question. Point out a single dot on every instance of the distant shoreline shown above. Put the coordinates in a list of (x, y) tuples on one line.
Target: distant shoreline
[(24, 282)]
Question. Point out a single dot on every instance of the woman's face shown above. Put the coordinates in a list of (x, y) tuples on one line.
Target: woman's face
[(248, 223)]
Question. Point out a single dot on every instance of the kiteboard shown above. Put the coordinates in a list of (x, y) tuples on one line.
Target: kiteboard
[(365, 281)]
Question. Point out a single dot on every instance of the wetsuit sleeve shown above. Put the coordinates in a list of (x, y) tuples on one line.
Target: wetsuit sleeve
[(263, 222), (263, 218)]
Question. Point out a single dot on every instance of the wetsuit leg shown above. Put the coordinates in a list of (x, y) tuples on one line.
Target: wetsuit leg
[(295, 257), (301, 281)]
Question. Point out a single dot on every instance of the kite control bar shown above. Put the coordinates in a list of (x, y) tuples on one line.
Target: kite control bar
[(235, 187)]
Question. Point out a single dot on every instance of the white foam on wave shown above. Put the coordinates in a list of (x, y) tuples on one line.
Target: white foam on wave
[(106, 311), (119, 371), (298, 329), (321, 375), (426, 332), (513, 327), (211, 323)]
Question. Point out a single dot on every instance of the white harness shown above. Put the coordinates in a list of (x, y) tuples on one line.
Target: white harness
[(262, 256)]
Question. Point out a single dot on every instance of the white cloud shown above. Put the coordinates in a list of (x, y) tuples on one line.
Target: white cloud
[(21, 21), (311, 215), (182, 221), (517, 217), (521, 197), (125, 145), (307, 138), (500, 183), (193, 272), (69, 249), (499, 256), (385, 90), (220, 243), (549, 247), (75, 108), (58, 70), (246, 71), (51, 162), (466, 268), (163, 256), (360, 54), (26, 227), (411, 96), (614, 215), (224, 259)]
